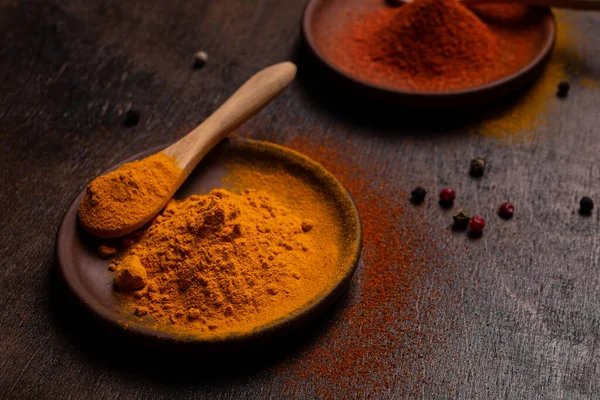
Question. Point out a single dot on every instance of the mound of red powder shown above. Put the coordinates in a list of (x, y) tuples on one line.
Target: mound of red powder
[(434, 37), (437, 45)]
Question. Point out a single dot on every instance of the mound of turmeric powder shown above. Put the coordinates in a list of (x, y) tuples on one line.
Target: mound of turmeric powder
[(224, 262)]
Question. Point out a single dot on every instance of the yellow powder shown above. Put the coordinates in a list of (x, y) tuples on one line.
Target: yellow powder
[(106, 250), (129, 194), (588, 82), (130, 275), (523, 120), (224, 262)]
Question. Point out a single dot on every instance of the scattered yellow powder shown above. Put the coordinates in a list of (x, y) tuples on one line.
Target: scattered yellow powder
[(129, 194), (522, 120), (588, 82)]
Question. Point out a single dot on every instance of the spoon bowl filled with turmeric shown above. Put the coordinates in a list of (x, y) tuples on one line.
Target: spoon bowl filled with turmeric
[(258, 241), (430, 52)]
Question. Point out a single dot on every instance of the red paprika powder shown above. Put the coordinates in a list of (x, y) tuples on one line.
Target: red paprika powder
[(437, 45)]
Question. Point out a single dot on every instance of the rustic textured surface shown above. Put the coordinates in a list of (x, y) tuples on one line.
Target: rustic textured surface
[(518, 314)]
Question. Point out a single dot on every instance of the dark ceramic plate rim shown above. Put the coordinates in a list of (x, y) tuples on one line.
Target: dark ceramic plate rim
[(280, 326), (545, 50)]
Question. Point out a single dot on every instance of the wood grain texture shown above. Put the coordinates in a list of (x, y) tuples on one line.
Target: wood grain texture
[(518, 316)]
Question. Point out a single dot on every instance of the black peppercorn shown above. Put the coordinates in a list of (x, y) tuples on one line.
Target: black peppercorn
[(132, 117), (477, 167), (586, 205), (563, 89), (461, 219), (418, 195), (200, 59)]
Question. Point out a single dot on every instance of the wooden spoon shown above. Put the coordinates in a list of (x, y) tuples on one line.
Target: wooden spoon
[(589, 5), (253, 95)]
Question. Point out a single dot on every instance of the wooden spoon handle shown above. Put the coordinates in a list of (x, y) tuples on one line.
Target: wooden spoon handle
[(253, 95), (570, 4)]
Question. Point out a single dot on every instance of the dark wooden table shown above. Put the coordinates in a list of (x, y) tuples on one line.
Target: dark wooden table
[(516, 313)]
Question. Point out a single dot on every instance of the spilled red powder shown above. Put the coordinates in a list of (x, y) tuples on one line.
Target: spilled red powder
[(437, 45), (375, 344)]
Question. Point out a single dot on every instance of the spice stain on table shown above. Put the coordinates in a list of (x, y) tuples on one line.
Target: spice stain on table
[(386, 329)]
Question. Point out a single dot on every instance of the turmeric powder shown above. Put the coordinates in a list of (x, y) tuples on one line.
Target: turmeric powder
[(128, 194), (131, 274), (225, 262), (221, 263)]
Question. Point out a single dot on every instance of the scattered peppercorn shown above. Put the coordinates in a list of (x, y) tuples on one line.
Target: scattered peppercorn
[(476, 224), (477, 167), (461, 219), (132, 117), (200, 59), (586, 205), (417, 196), (506, 210), (447, 195), (563, 89)]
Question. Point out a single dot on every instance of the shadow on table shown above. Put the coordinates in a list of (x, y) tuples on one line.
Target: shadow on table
[(332, 93), (110, 349)]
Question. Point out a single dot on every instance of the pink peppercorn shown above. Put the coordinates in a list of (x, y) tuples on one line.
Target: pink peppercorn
[(476, 224), (506, 210), (447, 195)]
